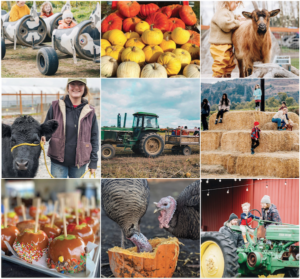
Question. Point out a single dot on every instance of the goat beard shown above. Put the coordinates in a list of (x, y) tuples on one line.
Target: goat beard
[(261, 32)]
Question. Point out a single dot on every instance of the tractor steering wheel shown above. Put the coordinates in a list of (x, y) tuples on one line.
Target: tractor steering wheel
[(248, 224)]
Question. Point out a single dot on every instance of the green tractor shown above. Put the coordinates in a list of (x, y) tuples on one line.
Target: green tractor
[(272, 251), (142, 138)]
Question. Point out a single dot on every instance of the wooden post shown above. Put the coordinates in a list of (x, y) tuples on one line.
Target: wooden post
[(262, 86), (21, 108)]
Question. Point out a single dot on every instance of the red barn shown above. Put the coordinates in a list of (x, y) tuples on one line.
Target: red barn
[(220, 199)]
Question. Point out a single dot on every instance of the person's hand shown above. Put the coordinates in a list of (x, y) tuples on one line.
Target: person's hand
[(92, 171), (260, 218), (43, 139)]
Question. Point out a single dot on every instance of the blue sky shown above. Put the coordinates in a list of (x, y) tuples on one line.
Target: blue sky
[(176, 101)]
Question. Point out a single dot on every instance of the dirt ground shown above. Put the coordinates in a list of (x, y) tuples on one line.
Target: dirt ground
[(22, 63), (111, 233)]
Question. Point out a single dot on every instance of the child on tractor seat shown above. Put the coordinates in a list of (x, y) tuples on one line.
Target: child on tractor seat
[(46, 10), (67, 21), (223, 23), (246, 218), (255, 137)]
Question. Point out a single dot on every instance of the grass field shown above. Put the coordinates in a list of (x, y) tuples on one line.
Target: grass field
[(295, 62), (127, 164)]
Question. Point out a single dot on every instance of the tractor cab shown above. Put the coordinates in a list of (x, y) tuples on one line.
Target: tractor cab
[(144, 122)]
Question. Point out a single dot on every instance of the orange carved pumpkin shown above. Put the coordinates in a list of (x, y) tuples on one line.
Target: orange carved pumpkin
[(159, 263)]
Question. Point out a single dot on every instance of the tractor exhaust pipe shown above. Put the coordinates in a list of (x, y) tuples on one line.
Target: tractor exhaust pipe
[(119, 120), (125, 116)]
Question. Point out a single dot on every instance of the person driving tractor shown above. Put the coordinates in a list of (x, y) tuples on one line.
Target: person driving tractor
[(269, 211), (246, 219), (234, 236), (149, 124)]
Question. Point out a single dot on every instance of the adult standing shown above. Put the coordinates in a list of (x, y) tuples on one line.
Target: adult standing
[(257, 97), (75, 143), (205, 111), (269, 211), (18, 10), (224, 106), (237, 238)]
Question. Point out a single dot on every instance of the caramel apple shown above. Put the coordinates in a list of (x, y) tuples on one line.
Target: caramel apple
[(51, 231), (94, 223), (95, 212), (26, 224), (18, 210), (12, 218), (80, 212), (32, 210), (59, 223), (50, 215), (67, 254), (8, 234), (83, 230), (30, 245), (72, 219), (43, 220)]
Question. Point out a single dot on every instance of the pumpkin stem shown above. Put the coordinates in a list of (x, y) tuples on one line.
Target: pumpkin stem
[(151, 27), (111, 60), (133, 48), (155, 67)]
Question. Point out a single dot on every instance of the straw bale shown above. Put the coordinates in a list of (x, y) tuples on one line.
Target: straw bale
[(211, 140), (273, 126), (244, 120), (183, 139), (279, 164), (212, 169), (270, 141)]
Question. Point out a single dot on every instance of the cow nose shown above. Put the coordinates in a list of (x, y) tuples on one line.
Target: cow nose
[(22, 165)]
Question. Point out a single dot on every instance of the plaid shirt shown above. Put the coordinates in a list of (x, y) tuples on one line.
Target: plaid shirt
[(255, 133)]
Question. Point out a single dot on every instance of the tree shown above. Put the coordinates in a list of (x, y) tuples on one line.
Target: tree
[(282, 96), (289, 101)]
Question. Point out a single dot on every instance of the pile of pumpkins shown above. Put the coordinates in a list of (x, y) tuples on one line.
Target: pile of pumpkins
[(142, 40)]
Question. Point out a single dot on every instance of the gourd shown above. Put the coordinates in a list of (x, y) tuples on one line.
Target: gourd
[(171, 63), (152, 53), (180, 36), (175, 22), (130, 23), (193, 50), (115, 52), (108, 66), (128, 69), (111, 22), (141, 27), (192, 71), (187, 15), (117, 37), (194, 38), (183, 55), (167, 45), (137, 42), (153, 36), (154, 70), (128, 8), (131, 35), (133, 54)]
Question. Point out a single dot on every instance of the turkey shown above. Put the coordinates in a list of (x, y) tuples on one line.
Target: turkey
[(181, 217), (125, 201)]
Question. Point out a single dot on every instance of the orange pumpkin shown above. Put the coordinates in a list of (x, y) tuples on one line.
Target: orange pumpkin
[(194, 38), (175, 10), (130, 23), (118, 14), (175, 22), (129, 8), (147, 9), (159, 263), (111, 22), (159, 21), (187, 15), (167, 45), (166, 11)]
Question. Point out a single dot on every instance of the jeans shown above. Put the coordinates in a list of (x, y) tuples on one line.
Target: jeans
[(220, 113), (204, 121), (60, 171), (254, 144), (277, 120)]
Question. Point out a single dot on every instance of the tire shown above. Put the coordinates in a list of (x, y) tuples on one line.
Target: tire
[(107, 151), (186, 150), (217, 247), (136, 149), (47, 61), (3, 48), (151, 145)]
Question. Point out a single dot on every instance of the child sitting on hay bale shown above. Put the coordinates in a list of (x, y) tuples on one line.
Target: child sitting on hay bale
[(67, 21), (224, 106), (46, 10), (223, 23), (255, 137), (246, 219), (279, 117)]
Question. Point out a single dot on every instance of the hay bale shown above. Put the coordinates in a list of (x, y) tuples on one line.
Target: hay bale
[(211, 140), (280, 164), (183, 139), (296, 147), (244, 120), (225, 159), (270, 141), (269, 126)]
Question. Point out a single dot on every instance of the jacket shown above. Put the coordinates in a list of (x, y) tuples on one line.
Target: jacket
[(279, 114), (237, 238), (255, 133), (224, 107), (257, 94), (63, 25), (271, 215), (282, 107), (247, 218), (76, 140), (222, 25), (44, 14), (205, 110), (17, 12)]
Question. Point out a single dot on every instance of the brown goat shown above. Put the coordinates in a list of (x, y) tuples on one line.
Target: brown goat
[(252, 40)]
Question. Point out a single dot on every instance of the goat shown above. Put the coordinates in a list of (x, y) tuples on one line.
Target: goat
[(252, 40)]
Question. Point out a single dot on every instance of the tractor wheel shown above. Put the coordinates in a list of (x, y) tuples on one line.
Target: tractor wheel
[(186, 150), (3, 48), (136, 149), (218, 256), (47, 61), (107, 151), (151, 145)]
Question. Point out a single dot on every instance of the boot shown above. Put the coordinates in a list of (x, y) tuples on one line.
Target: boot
[(227, 76), (216, 122), (220, 120), (245, 239), (252, 151), (279, 129)]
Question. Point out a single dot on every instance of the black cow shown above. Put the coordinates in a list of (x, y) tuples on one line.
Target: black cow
[(24, 160)]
